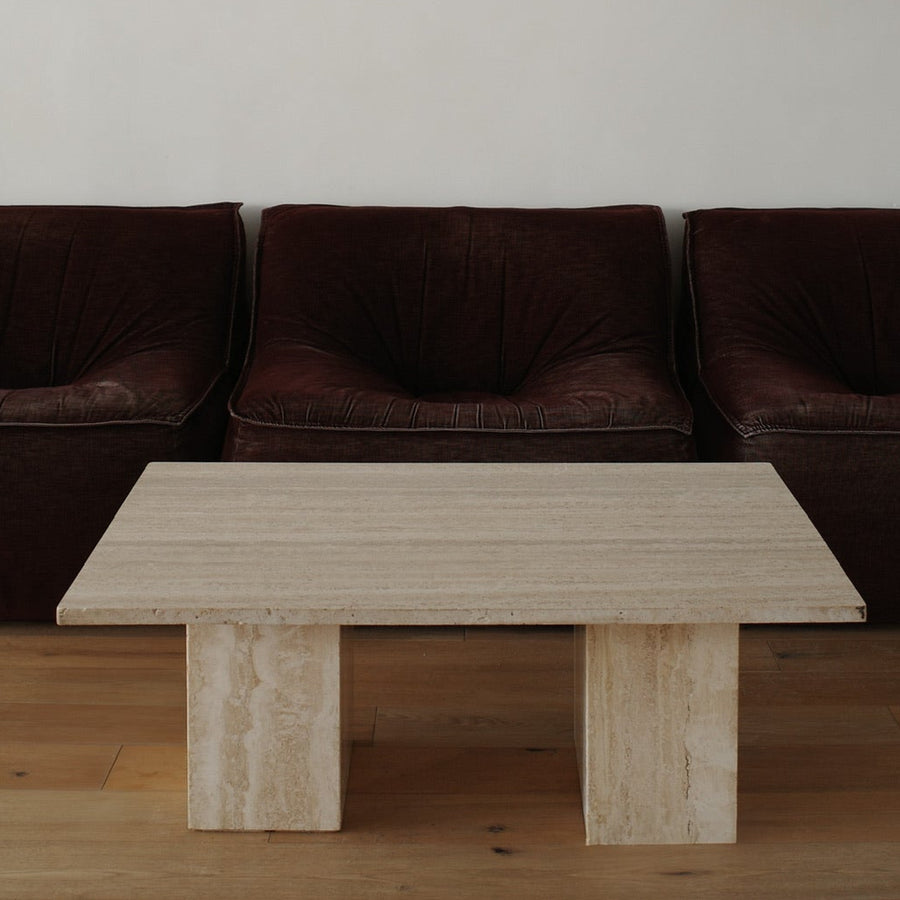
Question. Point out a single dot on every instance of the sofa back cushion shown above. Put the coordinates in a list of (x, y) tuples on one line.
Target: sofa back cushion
[(462, 299), (818, 285), (82, 287)]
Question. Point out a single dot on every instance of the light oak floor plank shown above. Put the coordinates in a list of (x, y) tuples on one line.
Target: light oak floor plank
[(47, 646), (462, 819), (408, 633), (149, 767), (115, 685), (879, 654), (804, 767), (756, 655), (226, 868), (819, 816), (817, 725), (64, 766), (805, 688), (85, 722), (508, 726), (475, 673), (472, 770), (838, 633)]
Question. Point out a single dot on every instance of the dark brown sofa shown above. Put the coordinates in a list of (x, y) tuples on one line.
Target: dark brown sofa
[(461, 334), (115, 343), (796, 350)]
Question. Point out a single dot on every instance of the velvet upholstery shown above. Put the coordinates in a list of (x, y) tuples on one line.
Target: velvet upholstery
[(117, 347), (460, 334), (796, 324)]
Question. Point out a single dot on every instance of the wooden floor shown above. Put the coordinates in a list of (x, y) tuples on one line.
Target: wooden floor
[(463, 781)]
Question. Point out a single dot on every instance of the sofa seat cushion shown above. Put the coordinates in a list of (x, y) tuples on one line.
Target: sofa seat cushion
[(165, 393), (304, 387), (764, 392)]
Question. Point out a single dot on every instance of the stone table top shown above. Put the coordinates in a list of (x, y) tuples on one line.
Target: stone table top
[(460, 544)]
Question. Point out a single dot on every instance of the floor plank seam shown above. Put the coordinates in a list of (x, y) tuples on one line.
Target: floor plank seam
[(111, 767)]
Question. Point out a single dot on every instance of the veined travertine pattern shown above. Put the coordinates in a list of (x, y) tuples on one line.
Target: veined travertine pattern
[(656, 723), (264, 732)]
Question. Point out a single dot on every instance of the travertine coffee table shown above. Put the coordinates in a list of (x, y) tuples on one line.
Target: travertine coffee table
[(656, 565)]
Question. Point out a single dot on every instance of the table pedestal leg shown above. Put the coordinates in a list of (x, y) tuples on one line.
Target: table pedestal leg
[(656, 730), (266, 745)]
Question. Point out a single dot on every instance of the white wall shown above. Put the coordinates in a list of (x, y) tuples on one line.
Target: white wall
[(683, 103)]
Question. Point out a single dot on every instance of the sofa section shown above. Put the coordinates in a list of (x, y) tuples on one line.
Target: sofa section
[(795, 322), (461, 334), (118, 345)]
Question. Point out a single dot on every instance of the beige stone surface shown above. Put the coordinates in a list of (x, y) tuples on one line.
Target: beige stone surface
[(465, 544), (266, 746), (656, 729)]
